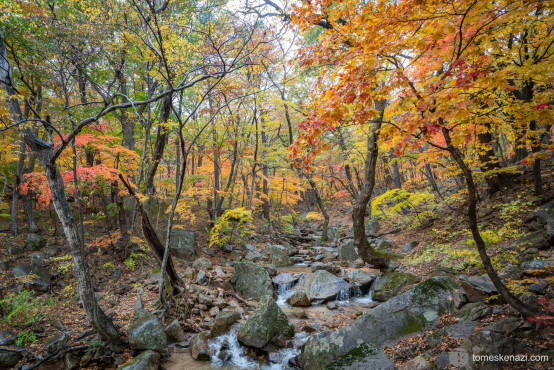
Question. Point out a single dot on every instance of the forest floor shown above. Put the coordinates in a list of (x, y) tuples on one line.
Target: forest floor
[(443, 244)]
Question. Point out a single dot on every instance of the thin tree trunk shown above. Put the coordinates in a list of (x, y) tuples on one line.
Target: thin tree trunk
[(473, 226)]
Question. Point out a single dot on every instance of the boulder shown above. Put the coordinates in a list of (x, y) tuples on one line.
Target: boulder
[(391, 283), (56, 342), (254, 256), (9, 358), (147, 360), (363, 357), (459, 330), (146, 332), (474, 311), (285, 279), (266, 325), (299, 299), (544, 218), (416, 363), (223, 322), (415, 310), (477, 288), (203, 262), (201, 277), (200, 347), (174, 332), (34, 277), (408, 248), (181, 244), (347, 251), (322, 286), (35, 242), (279, 257), (252, 281), (361, 279), (7, 337), (372, 227), (38, 259), (530, 267), (537, 239)]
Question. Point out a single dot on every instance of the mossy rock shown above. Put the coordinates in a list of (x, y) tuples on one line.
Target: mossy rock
[(252, 281), (390, 284), (362, 357)]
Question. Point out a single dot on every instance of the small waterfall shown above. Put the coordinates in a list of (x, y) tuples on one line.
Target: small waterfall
[(280, 360), (284, 291), (346, 294), (368, 298), (227, 351)]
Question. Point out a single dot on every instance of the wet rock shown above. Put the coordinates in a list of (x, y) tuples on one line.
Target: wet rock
[(299, 299), (223, 322), (7, 337), (203, 262), (147, 360), (181, 244), (174, 332), (416, 363), (267, 324), (332, 306), (412, 311), (34, 277), (199, 347), (9, 358), (347, 251), (285, 278), (146, 332), (322, 285), (35, 242), (361, 279), (390, 284), (56, 342), (252, 281), (363, 357), (279, 257), (477, 288)]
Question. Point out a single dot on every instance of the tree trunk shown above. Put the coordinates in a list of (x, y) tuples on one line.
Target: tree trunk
[(489, 162), (473, 226)]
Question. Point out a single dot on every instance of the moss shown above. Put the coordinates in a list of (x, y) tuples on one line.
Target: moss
[(412, 325), (360, 352)]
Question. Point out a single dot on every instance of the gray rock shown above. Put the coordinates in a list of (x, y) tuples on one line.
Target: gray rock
[(442, 362), (146, 332), (347, 251), (210, 251), (285, 278), (412, 311), (391, 283), (416, 363), (254, 256), (279, 257), (181, 244), (361, 279), (205, 299), (35, 242), (249, 247), (56, 342), (9, 358), (266, 325), (174, 332), (363, 357), (299, 299), (536, 239), (511, 272), (332, 306), (227, 248), (203, 262), (544, 217), (34, 277), (408, 248), (372, 227), (199, 347), (539, 288), (530, 266), (252, 281), (147, 360), (38, 259), (71, 361), (201, 277), (14, 250), (7, 337), (474, 311), (322, 285), (477, 288), (223, 322), (459, 330)]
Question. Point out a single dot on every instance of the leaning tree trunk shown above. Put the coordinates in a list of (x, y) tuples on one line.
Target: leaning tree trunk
[(473, 226), (98, 319), (367, 253)]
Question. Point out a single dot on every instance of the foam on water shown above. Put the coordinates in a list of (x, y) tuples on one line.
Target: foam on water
[(284, 291), (227, 351)]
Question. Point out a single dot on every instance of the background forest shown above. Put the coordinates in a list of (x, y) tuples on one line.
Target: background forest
[(209, 168)]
